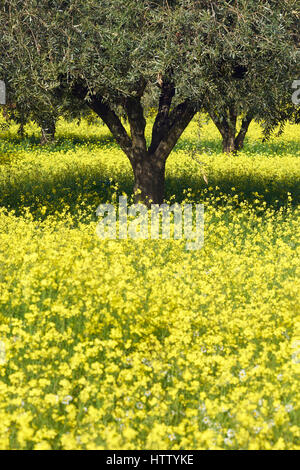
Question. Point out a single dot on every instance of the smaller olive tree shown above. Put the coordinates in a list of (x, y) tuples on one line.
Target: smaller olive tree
[(259, 74)]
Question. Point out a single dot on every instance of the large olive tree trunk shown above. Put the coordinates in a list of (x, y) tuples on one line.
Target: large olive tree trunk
[(48, 128), (148, 163), (149, 179), (228, 141)]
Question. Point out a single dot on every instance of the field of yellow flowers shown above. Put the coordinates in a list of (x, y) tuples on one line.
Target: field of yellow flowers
[(141, 344)]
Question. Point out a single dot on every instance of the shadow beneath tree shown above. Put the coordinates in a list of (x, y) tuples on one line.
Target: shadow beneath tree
[(16, 143), (87, 189), (68, 141), (251, 147)]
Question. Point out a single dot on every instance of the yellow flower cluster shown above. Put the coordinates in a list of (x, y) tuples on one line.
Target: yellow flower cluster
[(140, 344)]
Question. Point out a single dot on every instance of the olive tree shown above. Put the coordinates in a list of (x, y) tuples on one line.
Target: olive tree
[(260, 66), (108, 54)]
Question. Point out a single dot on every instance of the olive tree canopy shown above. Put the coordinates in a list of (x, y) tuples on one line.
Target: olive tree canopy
[(190, 54)]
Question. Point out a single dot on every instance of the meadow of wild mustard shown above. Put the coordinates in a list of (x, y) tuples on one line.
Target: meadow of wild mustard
[(140, 344)]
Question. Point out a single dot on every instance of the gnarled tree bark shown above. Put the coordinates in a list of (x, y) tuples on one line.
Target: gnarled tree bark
[(48, 128), (232, 140), (148, 164)]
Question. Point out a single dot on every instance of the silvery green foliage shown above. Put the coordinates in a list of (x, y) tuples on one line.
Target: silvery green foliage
[(215, 53)]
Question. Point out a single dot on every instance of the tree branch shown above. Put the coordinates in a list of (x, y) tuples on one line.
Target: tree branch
[(239, 140), (109, 117), (161, 124), (113, 122), (232, 118), (222, 126), (137, 122), (179, 119)]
